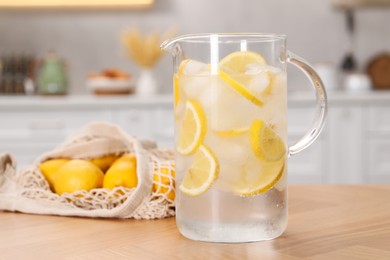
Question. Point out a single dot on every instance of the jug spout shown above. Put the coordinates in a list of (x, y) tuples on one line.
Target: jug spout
[(166, 45), (169, 44)]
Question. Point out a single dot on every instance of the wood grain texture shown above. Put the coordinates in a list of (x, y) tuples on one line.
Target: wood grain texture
[(325, 222)]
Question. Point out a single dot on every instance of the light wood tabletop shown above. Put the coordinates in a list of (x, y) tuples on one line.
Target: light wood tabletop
[(325, 222)]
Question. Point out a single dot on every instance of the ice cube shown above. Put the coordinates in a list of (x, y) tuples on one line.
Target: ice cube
[(229, 110), (256, 68), (229, 172), (193, 67), (274, 110), (194, 86), (211, 93), (273, 70), (234, 150), (258, 84), (194, 78)]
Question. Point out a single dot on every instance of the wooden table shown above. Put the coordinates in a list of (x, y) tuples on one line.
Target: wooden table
[(325, 222)]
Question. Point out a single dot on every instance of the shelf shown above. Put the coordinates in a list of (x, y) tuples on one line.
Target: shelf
[(342, 98)]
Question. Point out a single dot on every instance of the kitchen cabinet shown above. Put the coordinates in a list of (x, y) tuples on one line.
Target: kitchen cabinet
[(377, 152), (33, 125), (347, 144), (354, 146), (310, 165)]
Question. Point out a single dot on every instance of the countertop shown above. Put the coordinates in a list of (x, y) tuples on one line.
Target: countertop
[(68, 101), (325, 222)]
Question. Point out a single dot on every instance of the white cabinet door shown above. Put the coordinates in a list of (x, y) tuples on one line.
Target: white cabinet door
[(347, 129), (24, 150), (56, 122), (163, 127), (378, 161), (135, 122), (379, 120), (377, 154), (310, 165)]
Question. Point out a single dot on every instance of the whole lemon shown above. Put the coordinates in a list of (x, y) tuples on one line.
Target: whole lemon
[(78, 175), (127, 157), (164, 179), (49, 169), (123, 173), (104, 162)]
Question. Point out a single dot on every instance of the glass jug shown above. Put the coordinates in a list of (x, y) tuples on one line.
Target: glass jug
[(230, 106)]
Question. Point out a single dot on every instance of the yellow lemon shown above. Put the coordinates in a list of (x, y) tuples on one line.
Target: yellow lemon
[(78, 175), (164, 180), (193, 128), (258, 178), (104, 162), (202, 173), (237, 62), (233, 70), (176, 90), (265, 143), (127, 157), (49, 169), (122, 173), (233, 133)]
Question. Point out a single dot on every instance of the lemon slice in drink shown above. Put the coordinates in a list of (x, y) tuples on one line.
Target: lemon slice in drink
[(265, 143), (232, 70), (258, 178), (202, 173), (233, 133), (237, 62), (182, 65), (176, 93), (193, 128)]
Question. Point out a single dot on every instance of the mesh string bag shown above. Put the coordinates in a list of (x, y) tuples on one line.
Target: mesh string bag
[(28, 191)]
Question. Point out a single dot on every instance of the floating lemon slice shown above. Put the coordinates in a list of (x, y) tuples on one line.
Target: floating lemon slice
[(237, 62), (180, 70), (259, 179), (202, 173), (233, 133), (232, 70), (176, 89), (265, 143), (239, 88), (193, 129)]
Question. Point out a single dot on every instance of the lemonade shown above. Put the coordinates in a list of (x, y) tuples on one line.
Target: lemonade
[(230, 139)]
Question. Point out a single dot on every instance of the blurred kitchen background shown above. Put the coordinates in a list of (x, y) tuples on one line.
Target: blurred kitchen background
[(347, 40), (89, 40)]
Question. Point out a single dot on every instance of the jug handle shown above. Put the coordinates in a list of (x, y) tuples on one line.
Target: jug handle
[(321, 104)]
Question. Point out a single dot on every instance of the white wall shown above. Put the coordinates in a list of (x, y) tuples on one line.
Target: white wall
[(89, 40)]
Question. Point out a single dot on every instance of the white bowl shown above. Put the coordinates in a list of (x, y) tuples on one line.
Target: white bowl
[(108, 86)]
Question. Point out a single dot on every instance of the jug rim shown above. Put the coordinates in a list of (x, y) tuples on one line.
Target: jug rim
[(224, 38)]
